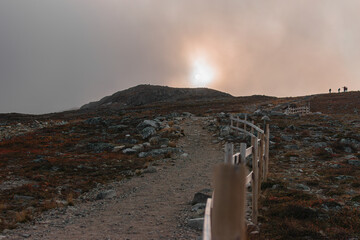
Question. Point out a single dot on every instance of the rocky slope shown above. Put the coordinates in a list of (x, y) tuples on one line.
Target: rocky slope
[(147, 94)]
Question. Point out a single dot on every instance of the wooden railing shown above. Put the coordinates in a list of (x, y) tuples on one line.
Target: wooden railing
[(225, 212), (304, 110)]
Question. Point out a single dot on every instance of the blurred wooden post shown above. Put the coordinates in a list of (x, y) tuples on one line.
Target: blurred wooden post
[(243, 153), (255, 179), (228, 213), (261, 161), (252, 129), (229, 152), (245, 123), (267, 133)]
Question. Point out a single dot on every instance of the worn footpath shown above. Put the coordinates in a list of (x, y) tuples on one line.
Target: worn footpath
[(154, 205)]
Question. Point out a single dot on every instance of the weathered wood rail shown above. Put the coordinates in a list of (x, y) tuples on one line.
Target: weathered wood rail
[(225, 213), (304, 110)]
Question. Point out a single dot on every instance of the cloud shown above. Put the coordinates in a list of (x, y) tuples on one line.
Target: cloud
[(55, 55)]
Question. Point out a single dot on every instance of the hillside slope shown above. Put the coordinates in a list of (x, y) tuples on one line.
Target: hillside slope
[(147, 94)]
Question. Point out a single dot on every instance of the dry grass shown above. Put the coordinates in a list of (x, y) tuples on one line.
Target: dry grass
[(70, 199)]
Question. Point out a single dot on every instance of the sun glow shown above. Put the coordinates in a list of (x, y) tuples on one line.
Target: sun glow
[(202, 73)]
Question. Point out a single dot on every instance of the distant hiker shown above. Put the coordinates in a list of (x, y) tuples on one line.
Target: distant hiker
[(345, 89), (330, 90), (339, 90)]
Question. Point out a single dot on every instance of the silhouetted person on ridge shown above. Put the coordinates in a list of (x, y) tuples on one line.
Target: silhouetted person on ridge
[(338, 90), (330, 90), (345, 89)]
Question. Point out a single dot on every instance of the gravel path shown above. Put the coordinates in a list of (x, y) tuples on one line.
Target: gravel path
[(151, 206)]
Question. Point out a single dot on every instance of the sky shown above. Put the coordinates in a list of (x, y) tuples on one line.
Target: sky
[(60, 54)]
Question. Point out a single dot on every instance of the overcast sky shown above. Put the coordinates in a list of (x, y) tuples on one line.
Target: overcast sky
[(60, 54)]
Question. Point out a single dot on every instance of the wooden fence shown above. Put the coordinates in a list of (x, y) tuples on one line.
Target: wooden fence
[(225, 212), (304, 110)]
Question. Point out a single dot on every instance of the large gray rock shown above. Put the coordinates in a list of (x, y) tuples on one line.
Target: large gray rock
[(286, 138), (148, 132), (106, 194), (129, 151), (138, 147), (94, 121), (196, 223), (118, 127), (320, 145), (276, 113), (225, 131), (355, 163), (292, 147), (148, 123), (22, 197), (258, 112), (265, 118), (100, 147), (201, 196), (158, 152)]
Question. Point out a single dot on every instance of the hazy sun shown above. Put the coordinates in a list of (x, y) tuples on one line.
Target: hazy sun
[(202, 73)]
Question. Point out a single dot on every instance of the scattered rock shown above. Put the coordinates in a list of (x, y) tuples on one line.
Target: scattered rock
[(129, 151), (343, 177), (292, 147), (94, 121), (184, 155), (320, 145), (355, 163), (22, 197), (286, 138), (106, 194), (265, 118), (150, 169), (148, 132), (118, 148), (148, 123), (302, 187), (201, 196), (198, 206), (100, 147), (196, 223), (225, 131)]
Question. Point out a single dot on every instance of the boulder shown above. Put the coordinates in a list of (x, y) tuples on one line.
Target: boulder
[(265, 118), (106, 194), (154, 140), (150, 169), (100, 147), (320, 145), (198, 206), (94, 121), (355, 163), (225, 131), (148, 123), (148, 132), (258, 112), (201, 196), (129, 151), (138, 147), (196, 223)]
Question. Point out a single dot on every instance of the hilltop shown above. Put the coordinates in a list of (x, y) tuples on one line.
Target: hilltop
[(148, 94)]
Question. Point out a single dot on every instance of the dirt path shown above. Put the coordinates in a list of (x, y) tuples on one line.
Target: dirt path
[(150, 206)]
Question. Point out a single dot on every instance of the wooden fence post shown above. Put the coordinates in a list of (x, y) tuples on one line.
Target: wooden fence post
[(255, 179), (228, 213), (245, 123), (261, 161), (267, 151), (229, 152)]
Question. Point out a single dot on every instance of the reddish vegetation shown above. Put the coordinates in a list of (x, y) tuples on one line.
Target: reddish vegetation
[(55, 165)]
